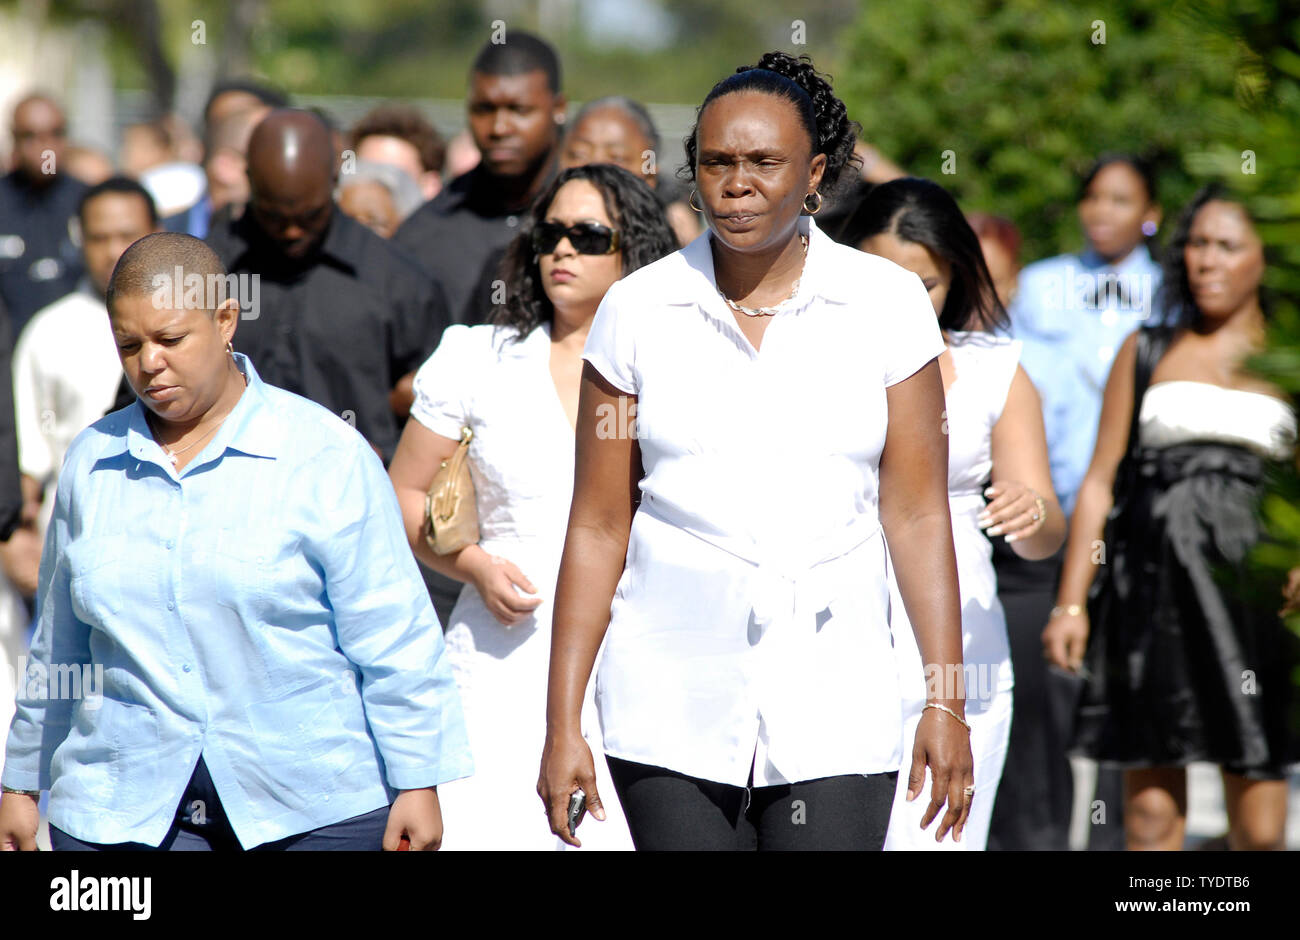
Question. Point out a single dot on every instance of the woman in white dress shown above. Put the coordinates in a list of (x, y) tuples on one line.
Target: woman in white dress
[(995, 431), (514, 383)]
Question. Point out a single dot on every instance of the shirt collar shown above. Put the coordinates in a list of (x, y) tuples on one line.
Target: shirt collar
[(821, 277), (251, 427), (1137, 261), (339, 246)]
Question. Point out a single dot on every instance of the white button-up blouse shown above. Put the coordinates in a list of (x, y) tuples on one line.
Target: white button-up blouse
[(750, 625)]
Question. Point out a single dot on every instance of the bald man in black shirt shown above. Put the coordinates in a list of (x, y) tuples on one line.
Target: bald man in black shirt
[(338, 315)]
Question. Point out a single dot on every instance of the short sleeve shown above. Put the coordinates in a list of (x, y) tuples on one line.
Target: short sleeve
[(610, 347), (913, 335), (442, 384)]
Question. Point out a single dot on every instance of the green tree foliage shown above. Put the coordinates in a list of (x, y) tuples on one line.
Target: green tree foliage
[(1022, 95)]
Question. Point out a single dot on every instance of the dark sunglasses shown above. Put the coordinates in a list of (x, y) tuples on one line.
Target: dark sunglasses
[(587, 238)]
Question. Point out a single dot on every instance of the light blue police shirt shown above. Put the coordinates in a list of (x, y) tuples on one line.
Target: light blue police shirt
[(1072, 312)]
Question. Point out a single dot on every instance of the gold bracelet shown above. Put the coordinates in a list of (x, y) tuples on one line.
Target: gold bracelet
[(945, 708), (34, 794), (1070, 610)]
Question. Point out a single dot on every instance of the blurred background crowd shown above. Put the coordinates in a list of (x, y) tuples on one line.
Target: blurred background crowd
[(1021, 109)]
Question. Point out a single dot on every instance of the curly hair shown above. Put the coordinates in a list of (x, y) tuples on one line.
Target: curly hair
[(645, 236), (924, 213), (405, 123), (1175, 298), (824, 116)]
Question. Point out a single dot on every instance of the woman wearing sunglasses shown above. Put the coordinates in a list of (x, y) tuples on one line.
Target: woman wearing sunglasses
[(514, 382)]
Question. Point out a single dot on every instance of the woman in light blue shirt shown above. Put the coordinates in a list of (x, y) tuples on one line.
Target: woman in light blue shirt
[(227, 575)]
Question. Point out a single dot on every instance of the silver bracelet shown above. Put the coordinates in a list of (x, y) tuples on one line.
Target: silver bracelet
[(945, 708)]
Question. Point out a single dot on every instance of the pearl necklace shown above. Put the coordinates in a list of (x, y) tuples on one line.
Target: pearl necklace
[(776, 308)]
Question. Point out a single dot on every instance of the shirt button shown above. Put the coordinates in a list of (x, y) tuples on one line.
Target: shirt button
[(186, 667), (512, 220), (171, 606), (170, 543)]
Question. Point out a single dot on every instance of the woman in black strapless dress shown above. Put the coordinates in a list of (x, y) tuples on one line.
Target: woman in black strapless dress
[(1186, 657)]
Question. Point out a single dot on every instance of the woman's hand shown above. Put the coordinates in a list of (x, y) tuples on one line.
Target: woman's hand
[(416, 815), (1015, 512), (1291, 593), (566, 768), (496, 578), (20, 816), (1065, 638), (943, 744)]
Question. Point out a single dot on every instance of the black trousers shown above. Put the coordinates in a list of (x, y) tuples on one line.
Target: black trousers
[(1036, 795), (669, 811)]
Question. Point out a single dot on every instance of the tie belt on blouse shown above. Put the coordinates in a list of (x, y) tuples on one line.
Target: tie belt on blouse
[(777, 574), (785, 608)]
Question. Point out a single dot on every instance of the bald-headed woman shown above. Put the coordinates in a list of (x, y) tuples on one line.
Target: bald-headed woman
[(234, 646)]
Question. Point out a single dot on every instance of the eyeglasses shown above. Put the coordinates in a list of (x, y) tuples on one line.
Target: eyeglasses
[(587, 238)]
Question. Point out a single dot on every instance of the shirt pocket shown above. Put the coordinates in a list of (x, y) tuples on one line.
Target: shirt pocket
[(304, 747), (97, 567), (235, 568)]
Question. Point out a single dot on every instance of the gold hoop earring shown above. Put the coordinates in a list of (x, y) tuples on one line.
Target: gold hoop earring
[(230, 348), (813, 210), (691, 200)]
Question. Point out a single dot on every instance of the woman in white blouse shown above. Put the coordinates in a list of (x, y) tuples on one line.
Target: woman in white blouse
[(514, 383), (995, 436), (756, 411)]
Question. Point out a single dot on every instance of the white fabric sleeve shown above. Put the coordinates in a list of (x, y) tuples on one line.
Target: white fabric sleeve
[(611, 347), (442, 384), (31, 410), (912, 334)]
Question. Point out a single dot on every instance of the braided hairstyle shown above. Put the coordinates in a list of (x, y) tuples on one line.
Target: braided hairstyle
[(823, 115)]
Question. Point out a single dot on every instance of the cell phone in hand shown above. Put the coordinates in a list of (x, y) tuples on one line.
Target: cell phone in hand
[(577, 806)]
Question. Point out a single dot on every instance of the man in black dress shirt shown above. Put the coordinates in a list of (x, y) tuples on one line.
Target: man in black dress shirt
[(338, 316), (38, 261), (516, 112)]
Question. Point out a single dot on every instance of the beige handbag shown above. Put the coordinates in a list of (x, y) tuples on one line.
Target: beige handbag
[(450, 508)]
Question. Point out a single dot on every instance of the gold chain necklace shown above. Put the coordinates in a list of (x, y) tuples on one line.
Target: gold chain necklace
[(172, 455), (776, 308)]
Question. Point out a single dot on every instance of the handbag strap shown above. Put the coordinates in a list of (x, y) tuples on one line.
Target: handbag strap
[(456, 463)]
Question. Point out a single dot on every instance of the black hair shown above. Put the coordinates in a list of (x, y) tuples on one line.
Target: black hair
[(633, 109), (520, 54), (1139, 165), (119, 185), (1174, 298), (822, 114), (923, 212), (645, 236), (263, 93)]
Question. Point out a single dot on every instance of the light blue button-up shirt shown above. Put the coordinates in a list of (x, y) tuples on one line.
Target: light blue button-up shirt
[(261, 608), (1073, 312)]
